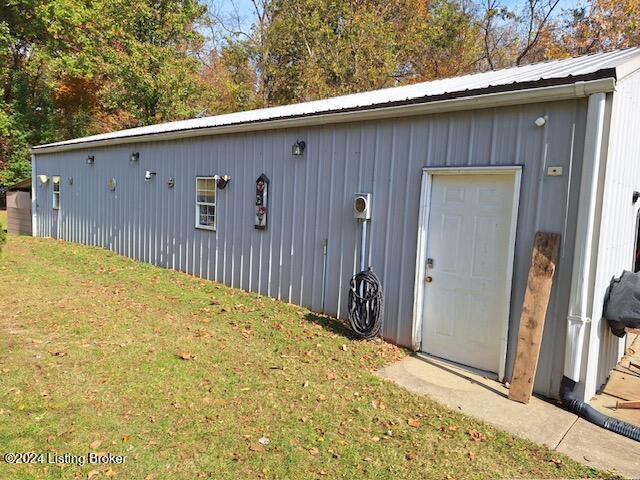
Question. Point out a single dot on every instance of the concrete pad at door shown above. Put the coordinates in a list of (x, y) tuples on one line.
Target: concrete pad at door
[(600, 448), (482, 398)]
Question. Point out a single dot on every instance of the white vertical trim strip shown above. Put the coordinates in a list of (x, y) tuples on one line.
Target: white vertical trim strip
[(34, 204)]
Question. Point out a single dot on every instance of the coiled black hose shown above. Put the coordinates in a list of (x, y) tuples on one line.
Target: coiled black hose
[(586, 411), (365, 305)]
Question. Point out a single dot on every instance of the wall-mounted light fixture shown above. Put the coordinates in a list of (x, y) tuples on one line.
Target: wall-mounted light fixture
[(149, 175), (298, 148), (171, 182), (541, 121), (70, 180), (43, 179), (112, 184), (91, 160), (222, 181), (636, 196), (135, 156)]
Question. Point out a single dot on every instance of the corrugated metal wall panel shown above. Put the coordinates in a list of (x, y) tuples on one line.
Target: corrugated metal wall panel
[(310, 202), (617, 232)]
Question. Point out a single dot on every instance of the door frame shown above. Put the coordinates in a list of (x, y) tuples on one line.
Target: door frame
[(421, 252)]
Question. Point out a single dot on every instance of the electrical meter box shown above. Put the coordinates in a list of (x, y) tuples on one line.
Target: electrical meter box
[(362, 206)]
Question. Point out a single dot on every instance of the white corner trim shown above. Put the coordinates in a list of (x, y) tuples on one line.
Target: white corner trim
[(34, 203), (580, 296)]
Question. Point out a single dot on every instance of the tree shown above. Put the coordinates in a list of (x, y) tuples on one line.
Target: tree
[(145, 50), (308, 49), (602, 25), (70, 68), (447, 42), (514, 38)]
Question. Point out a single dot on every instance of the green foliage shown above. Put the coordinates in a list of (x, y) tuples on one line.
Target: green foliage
[(71, 68), (145, 58)]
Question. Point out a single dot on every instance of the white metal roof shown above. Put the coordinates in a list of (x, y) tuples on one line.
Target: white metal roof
[(616, 64)]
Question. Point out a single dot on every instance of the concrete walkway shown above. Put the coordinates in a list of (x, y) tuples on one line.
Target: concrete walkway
[(539, 420)]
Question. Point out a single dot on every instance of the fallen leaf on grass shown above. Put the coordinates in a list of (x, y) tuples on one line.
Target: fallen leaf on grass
[(412, 422), (314, 451), (263, 441), (256, 448), (476, 436), (557, 462), (184, 356), (58, 353), (95, 444), (109, 472), (92, 474), (322, 398)]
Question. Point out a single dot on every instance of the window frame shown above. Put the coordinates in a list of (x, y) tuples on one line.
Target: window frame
[(198, 225), (55, 194)]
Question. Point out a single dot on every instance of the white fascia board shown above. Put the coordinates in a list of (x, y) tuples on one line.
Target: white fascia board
[(486, 100)]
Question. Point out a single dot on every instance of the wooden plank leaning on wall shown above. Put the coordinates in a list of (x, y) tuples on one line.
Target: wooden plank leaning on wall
[(534, 311)]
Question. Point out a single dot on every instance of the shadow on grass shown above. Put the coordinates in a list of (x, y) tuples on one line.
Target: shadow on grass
[(331, 324)]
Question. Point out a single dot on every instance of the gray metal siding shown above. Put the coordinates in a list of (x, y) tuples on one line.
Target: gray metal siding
[(310, 201), (617, 232)]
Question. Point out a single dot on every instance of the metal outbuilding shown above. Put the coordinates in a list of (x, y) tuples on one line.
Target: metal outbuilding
[(460, 174), (19, 208)]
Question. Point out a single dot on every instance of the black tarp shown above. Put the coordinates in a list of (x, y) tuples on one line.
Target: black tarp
[(622, 303)]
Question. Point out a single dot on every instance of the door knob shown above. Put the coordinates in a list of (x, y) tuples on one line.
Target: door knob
[(428, 279)]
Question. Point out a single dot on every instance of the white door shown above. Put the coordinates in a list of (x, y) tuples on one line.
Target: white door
[(466, 296)]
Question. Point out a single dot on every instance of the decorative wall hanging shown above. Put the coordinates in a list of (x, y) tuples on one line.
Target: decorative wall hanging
[(222, 181), (112, 184), (262, 202), (171, 182)]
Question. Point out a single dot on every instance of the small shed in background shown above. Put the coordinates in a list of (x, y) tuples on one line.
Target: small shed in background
[(19, 208)]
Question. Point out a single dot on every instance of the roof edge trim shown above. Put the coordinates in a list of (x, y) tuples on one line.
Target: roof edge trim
[(531, 92)]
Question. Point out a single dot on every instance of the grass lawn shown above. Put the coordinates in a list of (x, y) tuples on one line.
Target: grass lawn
[(3, 219), (183, 376)]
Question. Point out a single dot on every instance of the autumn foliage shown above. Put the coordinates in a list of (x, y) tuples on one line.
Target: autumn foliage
[(70, 68)]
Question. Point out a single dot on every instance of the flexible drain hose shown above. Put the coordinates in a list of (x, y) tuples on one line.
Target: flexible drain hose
[(365, 304), (586, 411)]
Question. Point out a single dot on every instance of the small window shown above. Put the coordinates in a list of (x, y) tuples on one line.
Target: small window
[(55, 180), (206, 203)]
